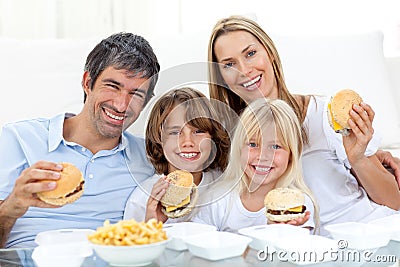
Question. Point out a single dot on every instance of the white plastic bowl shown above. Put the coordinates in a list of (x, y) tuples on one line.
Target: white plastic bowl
[(360, 235), (61, 255), (217, 245), (391, 223), (138, 255), (265, 236), (178, 231), (64, 247), (63, 236)]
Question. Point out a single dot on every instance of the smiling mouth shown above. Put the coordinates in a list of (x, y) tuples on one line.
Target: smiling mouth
[(262, 169), (188, 155), (112, 116), (251, 82)]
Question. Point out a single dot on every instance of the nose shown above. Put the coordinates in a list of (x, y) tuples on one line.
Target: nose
[(266, 153), (245, 67), (187, 138), (121, 102)]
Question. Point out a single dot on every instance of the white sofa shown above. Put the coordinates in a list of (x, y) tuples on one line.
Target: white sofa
[(42, 77)]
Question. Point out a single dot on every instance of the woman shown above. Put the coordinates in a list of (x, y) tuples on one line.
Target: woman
[(345, 175)]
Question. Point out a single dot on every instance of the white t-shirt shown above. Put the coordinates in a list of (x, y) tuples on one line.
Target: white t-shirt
[(229, 214), (136, 205), (327, 172)]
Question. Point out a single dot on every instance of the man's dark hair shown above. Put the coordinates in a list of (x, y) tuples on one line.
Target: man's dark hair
[(124, 51)]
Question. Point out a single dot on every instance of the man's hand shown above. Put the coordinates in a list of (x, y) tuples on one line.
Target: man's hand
[(390, 162), (30, 182)]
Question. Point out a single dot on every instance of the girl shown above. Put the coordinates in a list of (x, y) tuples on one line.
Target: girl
[(265, 154), (346, 176), (182, 133)]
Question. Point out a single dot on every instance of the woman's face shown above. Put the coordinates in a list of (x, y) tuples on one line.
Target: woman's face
[(245, 66), (185, 147), (264, 161)]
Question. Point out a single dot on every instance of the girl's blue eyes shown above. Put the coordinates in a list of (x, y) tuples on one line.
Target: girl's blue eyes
[(274, 146)]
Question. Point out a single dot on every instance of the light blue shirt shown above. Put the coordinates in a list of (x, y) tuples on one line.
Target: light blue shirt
[(110, 176)]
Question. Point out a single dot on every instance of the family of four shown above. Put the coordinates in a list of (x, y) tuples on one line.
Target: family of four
[(249, 137)]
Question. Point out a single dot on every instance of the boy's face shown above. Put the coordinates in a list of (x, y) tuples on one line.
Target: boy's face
[(184, 146), (115, 101)]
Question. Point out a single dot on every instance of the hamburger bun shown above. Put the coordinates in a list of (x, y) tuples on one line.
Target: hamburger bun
[(69, 187), (181, 194), (284, 204), (339, 109)]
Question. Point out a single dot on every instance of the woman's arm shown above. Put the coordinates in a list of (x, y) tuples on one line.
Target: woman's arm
[(379, 183)]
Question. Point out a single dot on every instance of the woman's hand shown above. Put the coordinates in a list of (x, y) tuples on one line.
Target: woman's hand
[(361, 132), (153, 209)]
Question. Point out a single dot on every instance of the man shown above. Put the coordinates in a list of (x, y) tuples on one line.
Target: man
[(119, 79)]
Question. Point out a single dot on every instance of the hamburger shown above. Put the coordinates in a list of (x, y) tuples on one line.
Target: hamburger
[(69, 187), (284, 204), (339, 110), (180, 196)]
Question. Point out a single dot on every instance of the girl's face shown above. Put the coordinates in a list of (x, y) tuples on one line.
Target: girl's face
[(184, 146), (264, 161), (245, 66)]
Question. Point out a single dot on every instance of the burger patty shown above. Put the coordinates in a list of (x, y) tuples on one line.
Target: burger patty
[(282, 212), (78, 189)]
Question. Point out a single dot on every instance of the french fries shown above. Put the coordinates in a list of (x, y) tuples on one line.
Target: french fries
[(128, 233)]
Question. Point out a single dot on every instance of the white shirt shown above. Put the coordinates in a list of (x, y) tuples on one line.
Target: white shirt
[(229, 214), (136, 206), (327, 172)]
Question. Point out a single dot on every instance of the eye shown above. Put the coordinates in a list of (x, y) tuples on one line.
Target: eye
[(198, 131), (275, 146), (251, 53), (138, 94), (252, 144), (112, 86), (228, 65), (174, 133)]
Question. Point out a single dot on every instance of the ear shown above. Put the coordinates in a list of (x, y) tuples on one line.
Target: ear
[(86, 80)]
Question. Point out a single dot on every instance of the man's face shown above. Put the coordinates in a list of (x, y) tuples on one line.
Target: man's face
[(115, 101)]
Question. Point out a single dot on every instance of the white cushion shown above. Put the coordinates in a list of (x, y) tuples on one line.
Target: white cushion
[(327, 63)]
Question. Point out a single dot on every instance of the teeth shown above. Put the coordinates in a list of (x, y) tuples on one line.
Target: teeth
[(252, 81), (188, 155), (114, 117), (261, 169)]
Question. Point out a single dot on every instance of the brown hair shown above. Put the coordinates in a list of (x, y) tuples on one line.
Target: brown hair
[(199, 114), (217, 87)]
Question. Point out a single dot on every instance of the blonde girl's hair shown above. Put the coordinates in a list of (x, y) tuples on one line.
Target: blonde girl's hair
[(258, 115), (217, 86), (199, 114)]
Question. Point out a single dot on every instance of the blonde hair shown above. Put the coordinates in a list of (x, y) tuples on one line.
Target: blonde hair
[(260, 114), (217, 87), (199, 114)]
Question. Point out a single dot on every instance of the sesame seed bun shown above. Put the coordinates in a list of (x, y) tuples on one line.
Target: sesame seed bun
[(180, 188), (339, 110), (69, 187), (279, 201)]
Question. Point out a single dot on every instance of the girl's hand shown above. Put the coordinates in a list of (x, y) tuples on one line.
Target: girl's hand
[(361, 132), (296, 222), (153, 209)]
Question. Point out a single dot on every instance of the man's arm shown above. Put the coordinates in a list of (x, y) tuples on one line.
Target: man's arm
[(6, 224), (24, 196)]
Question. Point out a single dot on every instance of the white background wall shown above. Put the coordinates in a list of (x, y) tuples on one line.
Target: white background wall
[(98, 18)]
